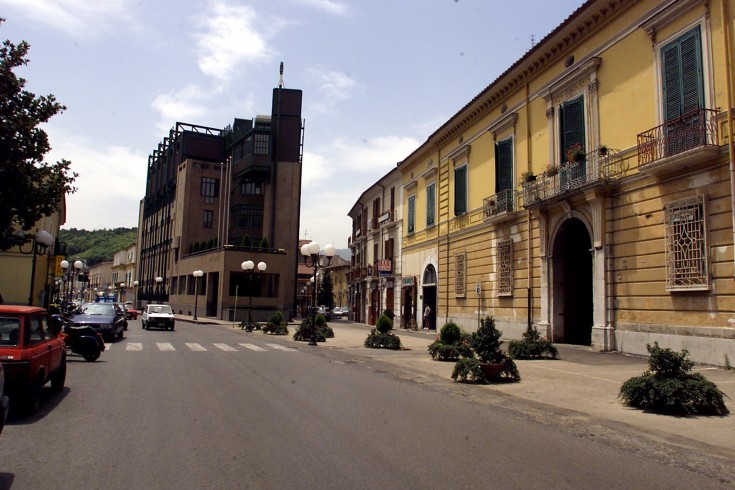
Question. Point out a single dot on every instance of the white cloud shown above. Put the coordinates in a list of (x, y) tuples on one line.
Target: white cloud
[(184, 105), (228, 36), (330, 6), (75, 17)]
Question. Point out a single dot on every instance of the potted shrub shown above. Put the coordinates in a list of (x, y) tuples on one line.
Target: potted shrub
[(491, 362), (451, 344), (380, 336), (668, 387), (276, 325), (532, 346), (527, 177), (318, 328)]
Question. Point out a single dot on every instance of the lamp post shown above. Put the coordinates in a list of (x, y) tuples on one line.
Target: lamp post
[(122, 292), (249, 267), (109, 293), (39, 243), (135, 286), (197, 274), (310, 252), (159, 280), (70, 273)]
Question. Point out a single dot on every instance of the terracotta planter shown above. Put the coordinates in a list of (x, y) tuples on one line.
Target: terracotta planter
[(492, 370)]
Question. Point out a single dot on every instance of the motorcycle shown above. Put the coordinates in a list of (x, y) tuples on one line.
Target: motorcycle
[(81, 340)]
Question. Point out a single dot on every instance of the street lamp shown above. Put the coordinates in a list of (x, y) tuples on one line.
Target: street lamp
[(109, 293), (135, 286), (159, 280), (249, 267), (197, 274), (122, 292), (39, 243), (70, 273), (310, 252)]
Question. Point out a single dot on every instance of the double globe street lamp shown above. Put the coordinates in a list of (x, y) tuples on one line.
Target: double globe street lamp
[(159, 280), (39, 243), (249, 267), (310, 252), (197, 274), (70, 273)]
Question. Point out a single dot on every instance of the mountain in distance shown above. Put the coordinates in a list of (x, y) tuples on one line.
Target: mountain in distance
[(93, 247)]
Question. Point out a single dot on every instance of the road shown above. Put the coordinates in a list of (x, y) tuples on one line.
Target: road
[(216, 407)]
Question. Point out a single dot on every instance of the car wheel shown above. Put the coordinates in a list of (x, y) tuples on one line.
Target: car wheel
[(92, 356), (121, 333), (59, 377)]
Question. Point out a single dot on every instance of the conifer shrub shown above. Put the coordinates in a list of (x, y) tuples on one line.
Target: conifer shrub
[(491, 363), (451, 345), (277, 325), (670, 388), (318, 327), (532, 346), (380, 336)]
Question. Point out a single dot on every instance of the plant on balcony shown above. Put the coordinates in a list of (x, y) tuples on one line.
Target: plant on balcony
[(575, 153), (668, 387), (527, 176), (380, 336), (532, 346), (602, 150), (551, 170), (451, 344), (491, 363), (277, 325)]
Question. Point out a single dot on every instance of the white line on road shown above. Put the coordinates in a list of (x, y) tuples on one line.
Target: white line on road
[(225, 347), (131, 346), (196, 347), (165, 346), (253, 347), (280, 347)]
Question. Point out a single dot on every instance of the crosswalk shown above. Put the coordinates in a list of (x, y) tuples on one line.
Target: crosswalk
[(196, 347)]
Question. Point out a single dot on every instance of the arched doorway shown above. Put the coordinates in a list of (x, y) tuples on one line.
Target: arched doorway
[(429, 296), (572, 288)]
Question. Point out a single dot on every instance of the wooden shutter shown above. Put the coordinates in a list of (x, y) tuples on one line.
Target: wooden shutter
[(681, 66), (430, 204), (460, 190), (572, 124), (504, 165), (411, 213)]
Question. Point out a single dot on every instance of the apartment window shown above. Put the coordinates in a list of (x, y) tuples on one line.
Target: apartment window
[(208, 218), (250, 218), (504, 165), (687, 267), (262, 143), (411, 213), (571, 120), (210, 189), (460, 190), (251, 188), (504, 261), (430, 204)]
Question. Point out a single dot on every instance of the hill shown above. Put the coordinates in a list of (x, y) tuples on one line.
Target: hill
[(96, 246)]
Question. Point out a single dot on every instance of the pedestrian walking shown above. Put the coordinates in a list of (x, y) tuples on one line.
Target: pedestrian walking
[(427, 315)]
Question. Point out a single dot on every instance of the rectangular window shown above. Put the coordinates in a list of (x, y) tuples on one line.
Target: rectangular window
[(210, 189), (687, 264), (251, 188), (460, 190), (250, 218), (504, 267), (571, 120), (460, 280), (504, 165), (208, 217), (262, 143), (430, 204), (411, 213)]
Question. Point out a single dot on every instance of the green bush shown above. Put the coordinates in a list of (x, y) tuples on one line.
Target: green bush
[(669, 387), (452, 344), (264, 243), (450, 333), (389, 313), (384, 324), (532, 346), (382, 341), (276, 325), (485, 342), (321, 329)]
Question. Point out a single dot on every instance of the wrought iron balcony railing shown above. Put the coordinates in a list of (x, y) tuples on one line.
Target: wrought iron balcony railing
[(501, 203), (693, 130), (599, 167)]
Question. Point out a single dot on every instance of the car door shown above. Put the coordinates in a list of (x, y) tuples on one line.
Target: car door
[(38, 350), (54, 345), (119, 318)]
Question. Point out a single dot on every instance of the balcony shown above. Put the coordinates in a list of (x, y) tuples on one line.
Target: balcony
[(600, 167), (499, 206), (685, 142)]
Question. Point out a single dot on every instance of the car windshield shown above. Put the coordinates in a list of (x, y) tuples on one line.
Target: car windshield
[(96, 309), (9, 331), (159, 309)]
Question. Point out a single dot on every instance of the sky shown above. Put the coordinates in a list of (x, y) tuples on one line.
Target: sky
[(378, 78)]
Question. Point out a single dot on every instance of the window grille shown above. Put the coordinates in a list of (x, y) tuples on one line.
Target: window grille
[(505, 267), (460, 281), (687, 267)]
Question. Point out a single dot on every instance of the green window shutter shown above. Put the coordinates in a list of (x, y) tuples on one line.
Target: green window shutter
[(504, 165), (430, 204), (572, 124), (411, 214), (460, 190), (681, 66)]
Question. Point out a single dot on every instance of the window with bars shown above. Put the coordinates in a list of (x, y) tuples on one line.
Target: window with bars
[(460, 277), (504, 267), (687, 264)]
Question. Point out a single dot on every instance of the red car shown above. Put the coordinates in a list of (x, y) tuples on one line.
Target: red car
[(130, 312), (32, 354)]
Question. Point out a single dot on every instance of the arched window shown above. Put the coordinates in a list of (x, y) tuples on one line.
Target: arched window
[(429, 276)]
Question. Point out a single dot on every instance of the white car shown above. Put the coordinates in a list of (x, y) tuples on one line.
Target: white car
[(158, 316)]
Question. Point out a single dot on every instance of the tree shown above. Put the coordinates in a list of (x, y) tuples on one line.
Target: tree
[(30, 188), (326, 294)]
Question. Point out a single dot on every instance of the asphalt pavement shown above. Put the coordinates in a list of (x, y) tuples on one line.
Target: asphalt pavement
[(581, 385)]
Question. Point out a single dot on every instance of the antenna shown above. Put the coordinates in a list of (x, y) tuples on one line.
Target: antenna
[(280, 79)]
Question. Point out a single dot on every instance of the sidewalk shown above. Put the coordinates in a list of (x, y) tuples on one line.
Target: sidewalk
[(582, 384)]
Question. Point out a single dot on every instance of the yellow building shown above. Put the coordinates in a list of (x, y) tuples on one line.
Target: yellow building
[(588, 190)]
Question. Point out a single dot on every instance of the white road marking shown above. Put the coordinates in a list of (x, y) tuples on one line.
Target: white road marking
[(196, 347), (253, 347), (165, 346), (280, 347), (225, 347), (131, 346)]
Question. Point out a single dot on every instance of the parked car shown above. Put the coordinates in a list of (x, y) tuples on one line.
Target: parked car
[(158, 316), (106, 318), (323, 310), (339, 312), (4, 401), (32, 354), (130, 312)]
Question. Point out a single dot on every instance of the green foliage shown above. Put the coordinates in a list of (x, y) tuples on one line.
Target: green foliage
[(451, 344), (382, 340), (669, 387), (30, 187), (245, 242), (252, 326), (532, 346), (195, 247), (211, 243), (384, 324), (491, 363), (486, 341), (389, 313), (277, 325), (326, 291), (264, 243), (450, 333), (98, 245), (468, 370), (318, 328)]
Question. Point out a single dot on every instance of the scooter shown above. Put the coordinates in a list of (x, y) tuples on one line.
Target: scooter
[(82, 340)]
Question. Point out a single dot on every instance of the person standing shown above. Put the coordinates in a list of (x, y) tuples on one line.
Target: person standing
[(427, 315)]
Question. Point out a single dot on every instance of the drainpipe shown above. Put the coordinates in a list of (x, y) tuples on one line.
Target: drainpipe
[(529, 288), (728, 81)]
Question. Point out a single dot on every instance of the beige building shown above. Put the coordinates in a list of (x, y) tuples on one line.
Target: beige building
[(588, 190)]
